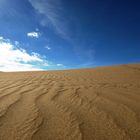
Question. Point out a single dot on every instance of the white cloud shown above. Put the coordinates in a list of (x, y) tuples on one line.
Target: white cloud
[(37, 29), (18, 67), (1, 38), (60, 65), (16, 43), (48, 48), (33, 34), (52, 15), (13, 58)]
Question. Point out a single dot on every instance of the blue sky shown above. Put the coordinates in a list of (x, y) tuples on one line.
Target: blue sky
[(66, 34)]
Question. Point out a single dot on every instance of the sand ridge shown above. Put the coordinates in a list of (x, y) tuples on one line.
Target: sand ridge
[(86, 104)]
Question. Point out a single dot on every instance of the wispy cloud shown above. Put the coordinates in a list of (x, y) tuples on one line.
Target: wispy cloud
[(52, 15), (60, 65), (33, 34), (13, 58), (48, 48)]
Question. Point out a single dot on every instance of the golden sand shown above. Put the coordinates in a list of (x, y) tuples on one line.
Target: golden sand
[(87, 104)]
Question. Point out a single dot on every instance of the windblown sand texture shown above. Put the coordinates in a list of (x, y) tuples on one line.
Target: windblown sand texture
[(85, 104)]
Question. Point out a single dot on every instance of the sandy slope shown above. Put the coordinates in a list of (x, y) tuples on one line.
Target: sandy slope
[(87, 104)]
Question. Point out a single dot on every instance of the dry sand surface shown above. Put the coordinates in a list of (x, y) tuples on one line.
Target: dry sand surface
[(85, 104)]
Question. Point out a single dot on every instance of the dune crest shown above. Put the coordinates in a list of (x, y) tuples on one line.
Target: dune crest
[(86, 104)]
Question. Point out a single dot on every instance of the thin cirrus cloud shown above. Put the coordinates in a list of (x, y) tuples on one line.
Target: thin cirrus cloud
[(48, 48), (60, 65), (17, 59), (33, 34), (51, 12)]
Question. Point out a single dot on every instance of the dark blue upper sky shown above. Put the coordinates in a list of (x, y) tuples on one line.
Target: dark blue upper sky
[(74, 33)]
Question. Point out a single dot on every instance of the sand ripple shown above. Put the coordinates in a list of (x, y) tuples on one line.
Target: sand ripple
[(87, 104)]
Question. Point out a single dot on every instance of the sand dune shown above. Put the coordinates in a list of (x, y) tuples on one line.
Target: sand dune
[(86, 104)]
